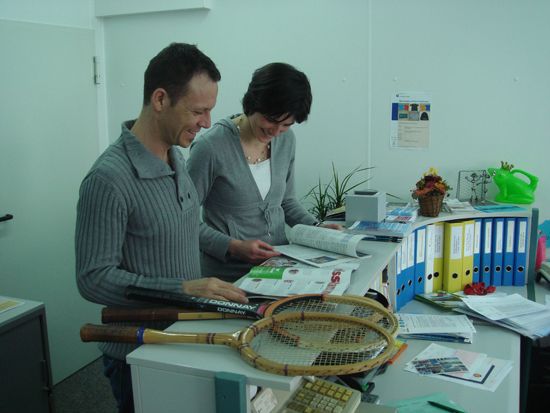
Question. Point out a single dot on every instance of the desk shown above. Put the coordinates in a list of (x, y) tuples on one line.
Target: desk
[(494, 341), (167, 378), (25, 360)]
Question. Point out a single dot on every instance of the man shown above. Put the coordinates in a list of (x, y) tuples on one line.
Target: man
[(138, 212)]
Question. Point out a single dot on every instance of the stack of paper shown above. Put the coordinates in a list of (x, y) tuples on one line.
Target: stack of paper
[(431, 327), (456, 206), (441, 299), (463, 367), (388, 229), (514, 312)]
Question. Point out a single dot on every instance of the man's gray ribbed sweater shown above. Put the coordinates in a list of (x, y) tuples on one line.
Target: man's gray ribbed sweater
[(137, 223)]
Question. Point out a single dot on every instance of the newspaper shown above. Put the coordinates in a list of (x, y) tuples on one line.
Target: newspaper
[(323, 247)]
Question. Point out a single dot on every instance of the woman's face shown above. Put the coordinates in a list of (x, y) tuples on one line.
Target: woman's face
[(265, 129)]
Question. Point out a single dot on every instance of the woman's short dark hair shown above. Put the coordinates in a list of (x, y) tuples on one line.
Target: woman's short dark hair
[(173, 68), (276, 90)]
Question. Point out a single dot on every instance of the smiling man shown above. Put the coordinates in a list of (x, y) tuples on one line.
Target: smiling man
[(138, 211)]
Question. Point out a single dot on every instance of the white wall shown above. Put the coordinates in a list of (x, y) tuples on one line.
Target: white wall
[(71, 13), (484, 63), (325, 39)]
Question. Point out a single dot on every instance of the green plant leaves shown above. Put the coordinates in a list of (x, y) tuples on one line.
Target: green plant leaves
[(325, 198)]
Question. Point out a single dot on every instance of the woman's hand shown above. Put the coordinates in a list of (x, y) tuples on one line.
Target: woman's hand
[(253, 251), (211, 287)]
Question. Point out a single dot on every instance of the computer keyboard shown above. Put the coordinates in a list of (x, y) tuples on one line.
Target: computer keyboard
[(322, 396)]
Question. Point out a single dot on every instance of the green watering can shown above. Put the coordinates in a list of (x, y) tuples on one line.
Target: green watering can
[(513, 190)]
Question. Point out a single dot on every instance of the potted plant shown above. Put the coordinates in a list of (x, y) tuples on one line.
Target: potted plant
[(430, 190), (327, 198)]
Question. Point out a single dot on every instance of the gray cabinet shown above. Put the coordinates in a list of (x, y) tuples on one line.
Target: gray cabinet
[(25, 371)]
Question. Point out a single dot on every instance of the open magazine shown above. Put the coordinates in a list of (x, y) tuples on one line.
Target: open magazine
[(323, 247), (291, 279)]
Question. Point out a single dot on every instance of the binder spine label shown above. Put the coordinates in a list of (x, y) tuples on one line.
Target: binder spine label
[(420, 245), (469, 240), (522, 245), (487, 239), (438, 241), (499, 234), (410, 253), (477, 237), (456, 243), (510, 236)]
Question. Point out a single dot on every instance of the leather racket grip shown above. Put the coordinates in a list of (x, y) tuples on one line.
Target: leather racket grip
[(119, 334), (114, 314)]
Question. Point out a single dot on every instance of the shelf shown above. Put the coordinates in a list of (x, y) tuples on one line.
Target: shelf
[(109, 8)]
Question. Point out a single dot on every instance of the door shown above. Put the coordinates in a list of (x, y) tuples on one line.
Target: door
[(48, 140)]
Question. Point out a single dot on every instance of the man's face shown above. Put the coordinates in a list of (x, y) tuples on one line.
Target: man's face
[(181, 122)]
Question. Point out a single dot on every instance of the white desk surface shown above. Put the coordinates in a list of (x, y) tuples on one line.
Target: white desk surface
[(396, 383)]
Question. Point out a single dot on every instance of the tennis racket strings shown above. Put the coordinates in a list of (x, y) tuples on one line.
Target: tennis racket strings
[(361, 307), (287, 343)]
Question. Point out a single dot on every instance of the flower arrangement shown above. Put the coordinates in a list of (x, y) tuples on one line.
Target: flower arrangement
[(431, 184)]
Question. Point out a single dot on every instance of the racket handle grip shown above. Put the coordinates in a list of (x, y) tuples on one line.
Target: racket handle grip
[(119, 334), (114, 314)]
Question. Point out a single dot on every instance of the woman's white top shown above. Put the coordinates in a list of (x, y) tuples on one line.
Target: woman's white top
[(261, 172)]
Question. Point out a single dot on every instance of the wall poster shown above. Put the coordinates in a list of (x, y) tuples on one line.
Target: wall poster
[(410, 120)]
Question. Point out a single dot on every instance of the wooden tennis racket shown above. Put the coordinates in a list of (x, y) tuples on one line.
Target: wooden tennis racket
[(289, 344), (352, 305)]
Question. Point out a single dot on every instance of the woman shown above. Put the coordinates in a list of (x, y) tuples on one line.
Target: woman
[(243, 169)]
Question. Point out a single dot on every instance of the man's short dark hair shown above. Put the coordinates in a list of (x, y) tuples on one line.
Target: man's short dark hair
[(173, 68), (276, 90)]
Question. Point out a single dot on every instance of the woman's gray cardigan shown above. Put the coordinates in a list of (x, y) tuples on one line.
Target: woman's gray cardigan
[(232, 205)]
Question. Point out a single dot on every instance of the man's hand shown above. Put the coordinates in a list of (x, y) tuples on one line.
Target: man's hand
[(332, 226), (253, 251), (211, 287)]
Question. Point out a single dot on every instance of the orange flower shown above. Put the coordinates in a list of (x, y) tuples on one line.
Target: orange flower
[(431, 184)]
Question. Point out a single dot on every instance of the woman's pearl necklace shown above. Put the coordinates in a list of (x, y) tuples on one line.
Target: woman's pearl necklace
[(262, 155)]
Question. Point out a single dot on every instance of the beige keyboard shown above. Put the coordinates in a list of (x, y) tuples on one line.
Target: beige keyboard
[(322, 396)]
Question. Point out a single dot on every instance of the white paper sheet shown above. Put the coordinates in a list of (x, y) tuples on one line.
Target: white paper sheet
[(496, 308)]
